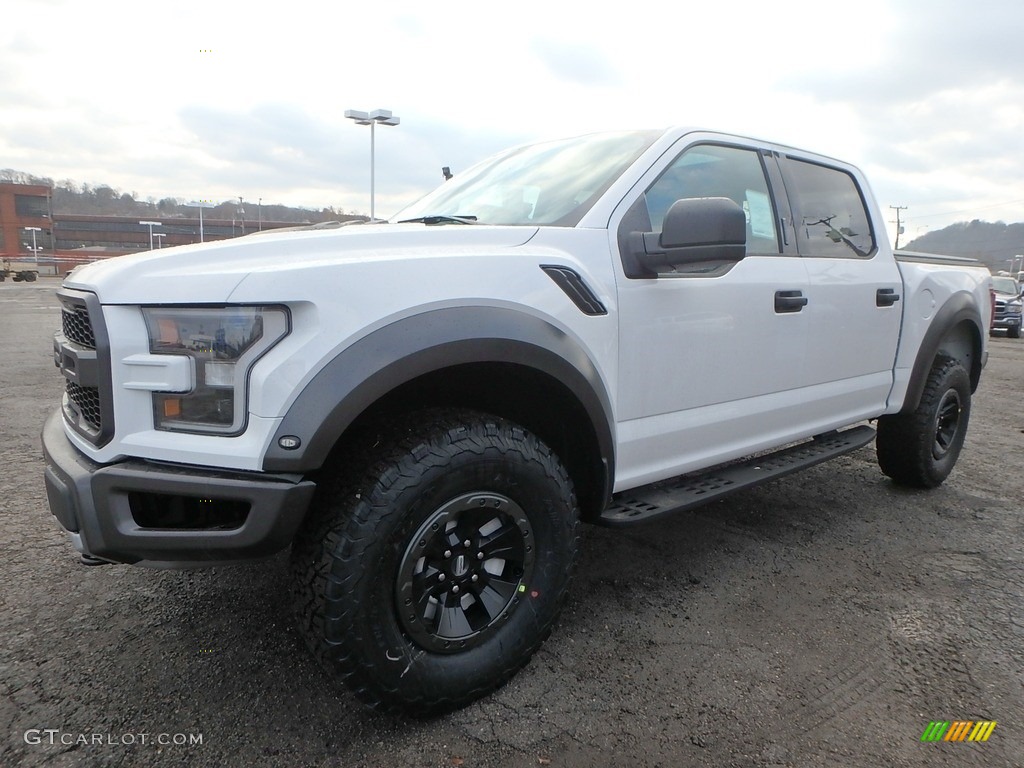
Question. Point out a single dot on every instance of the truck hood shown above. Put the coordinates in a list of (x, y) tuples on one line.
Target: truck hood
[(208, 273)]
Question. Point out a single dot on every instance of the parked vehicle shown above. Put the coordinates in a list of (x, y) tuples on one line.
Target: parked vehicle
[(596, 329), (19, 275), (1007, 308)]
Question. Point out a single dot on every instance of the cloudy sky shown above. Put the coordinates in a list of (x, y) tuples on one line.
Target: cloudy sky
[(219, 99)]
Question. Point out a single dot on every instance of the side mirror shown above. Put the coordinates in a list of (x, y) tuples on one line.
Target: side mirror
[(701, 230)]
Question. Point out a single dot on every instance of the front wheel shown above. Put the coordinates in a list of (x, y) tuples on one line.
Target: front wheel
[(431, 573), (919, 449), (1013, 333)]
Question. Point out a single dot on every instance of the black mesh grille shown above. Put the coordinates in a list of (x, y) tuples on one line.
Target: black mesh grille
[(82, 352), (87, 402), (76, 326)]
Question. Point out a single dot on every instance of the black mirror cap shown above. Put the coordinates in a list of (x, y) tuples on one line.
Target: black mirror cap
[(704, 221), (707, 231)]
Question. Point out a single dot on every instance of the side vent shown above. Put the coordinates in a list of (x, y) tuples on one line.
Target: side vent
[(576, 289)]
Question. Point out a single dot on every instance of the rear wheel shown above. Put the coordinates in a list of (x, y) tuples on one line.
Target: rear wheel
[(427, 577), (919, 449)]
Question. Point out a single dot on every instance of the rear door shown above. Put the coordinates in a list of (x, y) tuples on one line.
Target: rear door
[(854, 301)]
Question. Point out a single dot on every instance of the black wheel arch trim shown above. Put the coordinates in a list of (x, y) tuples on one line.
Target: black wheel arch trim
[(960, 309), (426, 343)]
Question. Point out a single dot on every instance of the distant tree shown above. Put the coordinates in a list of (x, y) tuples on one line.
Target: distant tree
[(167, 206), (104, 197)]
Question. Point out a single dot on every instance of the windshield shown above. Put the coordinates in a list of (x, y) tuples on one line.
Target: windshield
[(1005, 285), (552, 183)]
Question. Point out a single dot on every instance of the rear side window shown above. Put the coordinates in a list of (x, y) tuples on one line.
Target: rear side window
[(829, 212)]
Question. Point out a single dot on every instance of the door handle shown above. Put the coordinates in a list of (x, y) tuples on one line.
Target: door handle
[(886, 297), (789, 301)]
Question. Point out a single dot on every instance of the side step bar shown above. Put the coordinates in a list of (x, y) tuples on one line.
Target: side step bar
[(688, 491)]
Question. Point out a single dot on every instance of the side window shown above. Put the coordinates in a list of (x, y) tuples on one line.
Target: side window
[(829, 211), (710, 170)]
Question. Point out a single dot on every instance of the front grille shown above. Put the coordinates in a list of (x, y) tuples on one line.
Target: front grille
[(82, 352), (76, 326), (87, 403), (1001, 310)]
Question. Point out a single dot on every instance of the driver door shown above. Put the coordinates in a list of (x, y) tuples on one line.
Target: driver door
[(711, 363)]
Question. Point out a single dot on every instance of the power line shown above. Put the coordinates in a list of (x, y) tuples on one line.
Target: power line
[(967, 210)]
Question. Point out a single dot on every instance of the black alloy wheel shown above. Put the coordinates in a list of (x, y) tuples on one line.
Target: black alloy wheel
[(464, 571)]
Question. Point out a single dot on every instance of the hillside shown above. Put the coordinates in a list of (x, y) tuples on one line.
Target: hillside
[(995, 244), (69, 197)]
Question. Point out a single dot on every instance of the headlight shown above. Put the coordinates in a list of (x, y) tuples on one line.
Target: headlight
[(223, 343), (1013, 307)]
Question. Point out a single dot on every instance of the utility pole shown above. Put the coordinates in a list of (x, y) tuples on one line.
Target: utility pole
[(899, 226)]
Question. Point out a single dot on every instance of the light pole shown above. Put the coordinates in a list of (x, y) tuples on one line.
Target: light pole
[(35, 250), (151, 224), (259, 213), (382, 116), (200, 204), (159, 239), (241, 214)]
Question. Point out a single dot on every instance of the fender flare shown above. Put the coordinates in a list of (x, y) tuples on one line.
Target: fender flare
[(398, 353), (960, 309)]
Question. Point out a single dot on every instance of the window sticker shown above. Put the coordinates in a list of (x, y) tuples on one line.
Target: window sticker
[(759, 212)]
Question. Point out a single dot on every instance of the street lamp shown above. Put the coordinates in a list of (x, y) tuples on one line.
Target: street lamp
[(200, 204), (382, 116), (151, 224), (159, 239), (35, 250)]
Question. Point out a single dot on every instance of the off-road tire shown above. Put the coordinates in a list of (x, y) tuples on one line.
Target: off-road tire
[(919, 449), (375, 505)]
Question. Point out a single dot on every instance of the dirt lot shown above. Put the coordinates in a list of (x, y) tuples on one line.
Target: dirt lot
[(821, 620)]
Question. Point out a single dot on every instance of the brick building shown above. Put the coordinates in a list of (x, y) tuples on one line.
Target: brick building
[(63, 241), (24, 214)]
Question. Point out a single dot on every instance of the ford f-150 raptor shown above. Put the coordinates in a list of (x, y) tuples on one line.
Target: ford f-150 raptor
[(601, 329)]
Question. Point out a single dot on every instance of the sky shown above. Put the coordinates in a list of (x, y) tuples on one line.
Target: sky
[(215, 100)]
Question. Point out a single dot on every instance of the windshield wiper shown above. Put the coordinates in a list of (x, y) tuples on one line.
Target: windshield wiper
[(440, 219)]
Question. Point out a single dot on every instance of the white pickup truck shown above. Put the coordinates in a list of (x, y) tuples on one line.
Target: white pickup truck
[(602, 329)]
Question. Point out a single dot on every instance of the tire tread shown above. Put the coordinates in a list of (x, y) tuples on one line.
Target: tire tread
[(349, 511), (904, 441)]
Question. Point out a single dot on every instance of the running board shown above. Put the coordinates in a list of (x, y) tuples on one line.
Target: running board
[(688, 491)]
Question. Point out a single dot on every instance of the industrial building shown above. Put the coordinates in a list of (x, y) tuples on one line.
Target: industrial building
[(32, 236)]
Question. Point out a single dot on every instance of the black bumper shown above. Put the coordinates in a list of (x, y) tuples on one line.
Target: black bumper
[(101, 506)]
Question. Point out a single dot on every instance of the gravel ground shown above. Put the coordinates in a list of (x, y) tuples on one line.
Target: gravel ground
[(821, 620)]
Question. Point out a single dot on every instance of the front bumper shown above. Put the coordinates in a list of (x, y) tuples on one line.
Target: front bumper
[(167, 515), (1006, 322)]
